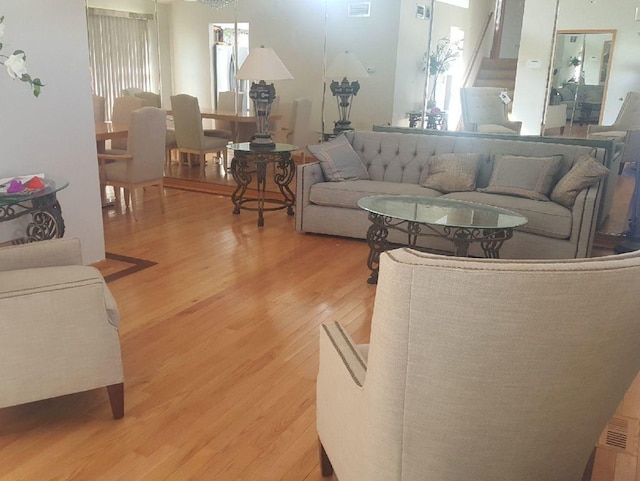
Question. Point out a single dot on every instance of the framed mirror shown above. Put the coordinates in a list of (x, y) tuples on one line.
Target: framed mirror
[(580, 74)]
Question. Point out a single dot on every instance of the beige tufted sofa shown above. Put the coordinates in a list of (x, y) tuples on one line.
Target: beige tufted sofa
[(396, 164)]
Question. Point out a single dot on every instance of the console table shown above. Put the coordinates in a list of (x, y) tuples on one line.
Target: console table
[(42, 205), (460, 222), (433, 120), (248, 161)]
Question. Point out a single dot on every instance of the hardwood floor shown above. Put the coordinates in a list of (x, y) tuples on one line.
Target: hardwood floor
[(219, 343), (220, 349)]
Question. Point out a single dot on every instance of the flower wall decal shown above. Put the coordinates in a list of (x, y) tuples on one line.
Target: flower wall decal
[(16, 65)]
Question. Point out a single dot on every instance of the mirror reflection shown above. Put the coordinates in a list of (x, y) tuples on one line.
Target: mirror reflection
[(580, 75)]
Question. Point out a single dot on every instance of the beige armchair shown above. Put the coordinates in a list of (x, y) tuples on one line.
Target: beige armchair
[(480, 369), (625, 131), (484, 111), (59, 326)]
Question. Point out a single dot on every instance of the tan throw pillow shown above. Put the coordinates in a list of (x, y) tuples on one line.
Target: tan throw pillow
[(585, 172), (530, 177), (452, 172)]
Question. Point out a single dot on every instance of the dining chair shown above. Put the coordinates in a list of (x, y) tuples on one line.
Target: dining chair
[(227, 103), (99, 108), (122, 109), (298, 131), (190, 135), (142, 164), (484, 111), (150, 99)]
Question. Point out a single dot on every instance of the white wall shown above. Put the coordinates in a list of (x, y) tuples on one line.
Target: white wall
[(54, 133), (512, 25)]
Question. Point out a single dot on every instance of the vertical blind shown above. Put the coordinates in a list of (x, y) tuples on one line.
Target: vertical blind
[(119, 53)]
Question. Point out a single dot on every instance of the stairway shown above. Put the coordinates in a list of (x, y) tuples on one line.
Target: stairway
[(497, 72)]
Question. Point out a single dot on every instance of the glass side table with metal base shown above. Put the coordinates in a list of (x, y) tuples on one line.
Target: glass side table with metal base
[(460, 222), (247, 162), (43, 206)]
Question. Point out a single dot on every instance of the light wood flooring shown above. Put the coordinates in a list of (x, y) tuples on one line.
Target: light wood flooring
[(220, 349)]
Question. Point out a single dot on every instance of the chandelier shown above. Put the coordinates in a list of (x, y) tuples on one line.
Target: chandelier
[(217, 3)]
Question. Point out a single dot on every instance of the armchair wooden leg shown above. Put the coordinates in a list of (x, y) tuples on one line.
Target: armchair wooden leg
[(325, 465), (116, 398)]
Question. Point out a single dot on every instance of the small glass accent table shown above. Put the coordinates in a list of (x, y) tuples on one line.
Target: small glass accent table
[(248, 161), (460, 222), (42, 205)]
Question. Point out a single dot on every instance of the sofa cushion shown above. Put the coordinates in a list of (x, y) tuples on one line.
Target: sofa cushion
[(452, 172), (585, 172), (347, 194), (544, 218), (530, 177), (338, 160)]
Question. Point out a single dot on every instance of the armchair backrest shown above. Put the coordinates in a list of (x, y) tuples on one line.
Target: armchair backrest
[(483, 105), (629, 115), (489, 369), (147, 144), (188, 121)]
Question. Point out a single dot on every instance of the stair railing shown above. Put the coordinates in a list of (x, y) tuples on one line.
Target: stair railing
[(474, 57)]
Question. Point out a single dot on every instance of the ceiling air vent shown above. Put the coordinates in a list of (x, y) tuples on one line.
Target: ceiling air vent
[(360, 9)]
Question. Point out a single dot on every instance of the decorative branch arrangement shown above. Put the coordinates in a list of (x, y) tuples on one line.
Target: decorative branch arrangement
[(16, 65), (438, 61)]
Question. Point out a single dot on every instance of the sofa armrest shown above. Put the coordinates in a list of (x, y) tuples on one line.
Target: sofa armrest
[(307, 175), (50, 253), (341, 405)]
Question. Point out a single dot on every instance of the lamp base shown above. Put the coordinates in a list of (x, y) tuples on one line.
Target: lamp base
[(341, 126), (262, 141)]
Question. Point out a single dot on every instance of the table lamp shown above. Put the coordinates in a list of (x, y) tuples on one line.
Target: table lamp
[(345, 65), (263, 64)]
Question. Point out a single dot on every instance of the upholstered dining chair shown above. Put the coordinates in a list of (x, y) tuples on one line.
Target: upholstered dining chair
[(142, 164), (299, 124), (625, 131), (59, 326), (484, 111), (149, 99), (190, 134), (480, 369), (227, 103), (99, 108), (122, 109)]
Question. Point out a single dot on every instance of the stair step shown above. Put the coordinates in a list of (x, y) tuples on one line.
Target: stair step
[(500, 63), (502, 83), (496, 74)]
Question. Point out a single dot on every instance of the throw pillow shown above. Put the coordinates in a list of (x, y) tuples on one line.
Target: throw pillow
[(452, 172), (338, 160), (530, 177), (585, 172)]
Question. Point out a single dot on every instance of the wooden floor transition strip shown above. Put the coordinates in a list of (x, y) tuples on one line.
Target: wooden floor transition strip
[(137, 265)]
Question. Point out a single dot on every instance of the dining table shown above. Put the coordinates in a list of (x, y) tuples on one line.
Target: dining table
[(245, 121)]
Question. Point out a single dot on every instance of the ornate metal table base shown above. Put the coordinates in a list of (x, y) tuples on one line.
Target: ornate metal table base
[(491, 240), (245, 164), (46, 217)]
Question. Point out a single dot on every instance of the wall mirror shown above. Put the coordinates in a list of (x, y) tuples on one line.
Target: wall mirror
[(579, 78)]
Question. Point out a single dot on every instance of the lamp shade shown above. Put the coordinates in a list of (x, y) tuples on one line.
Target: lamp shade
[(263, 64), (346, 65)]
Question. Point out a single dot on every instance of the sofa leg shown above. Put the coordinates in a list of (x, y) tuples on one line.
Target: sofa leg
[(325, 464), (116, 398)]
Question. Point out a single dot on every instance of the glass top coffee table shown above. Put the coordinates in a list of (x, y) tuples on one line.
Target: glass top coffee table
[(459, 221)]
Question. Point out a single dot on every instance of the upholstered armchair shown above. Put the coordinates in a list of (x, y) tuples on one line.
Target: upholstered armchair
[(625, 131), (480, 369), (59, 326), (484, 111)]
